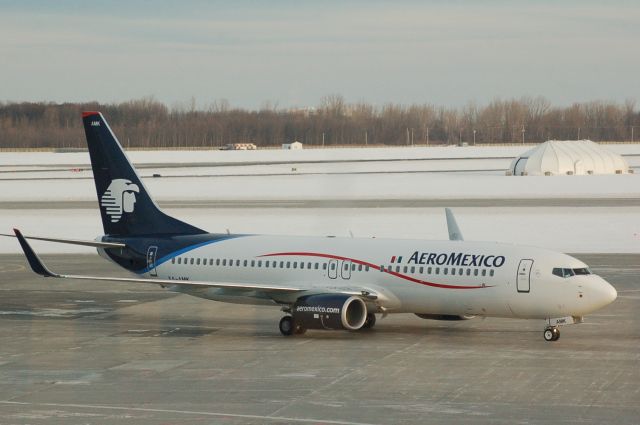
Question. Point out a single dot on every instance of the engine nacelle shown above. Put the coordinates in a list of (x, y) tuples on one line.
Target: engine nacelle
[(330, 311), (448, 317)]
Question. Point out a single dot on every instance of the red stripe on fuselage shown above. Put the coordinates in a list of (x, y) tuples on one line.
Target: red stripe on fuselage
[(365, 263)]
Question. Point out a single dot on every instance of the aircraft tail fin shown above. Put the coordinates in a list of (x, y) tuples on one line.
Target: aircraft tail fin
[(126, 207)]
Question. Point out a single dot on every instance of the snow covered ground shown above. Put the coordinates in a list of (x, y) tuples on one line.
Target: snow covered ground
[(570, 229)]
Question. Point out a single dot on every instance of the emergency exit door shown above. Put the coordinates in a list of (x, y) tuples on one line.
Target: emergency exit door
[(523, 280)]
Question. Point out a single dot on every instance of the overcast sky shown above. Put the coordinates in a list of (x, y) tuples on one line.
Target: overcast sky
[(292, 53)]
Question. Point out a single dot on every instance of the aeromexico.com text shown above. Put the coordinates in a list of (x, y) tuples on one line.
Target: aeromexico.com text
[(456, 259)]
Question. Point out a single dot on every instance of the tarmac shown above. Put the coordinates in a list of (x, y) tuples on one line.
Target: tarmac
[(77, 352)]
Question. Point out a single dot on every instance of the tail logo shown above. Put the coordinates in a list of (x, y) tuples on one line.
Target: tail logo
[(119, 198)]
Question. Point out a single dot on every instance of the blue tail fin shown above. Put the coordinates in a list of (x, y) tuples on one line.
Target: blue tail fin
[(125, 205)]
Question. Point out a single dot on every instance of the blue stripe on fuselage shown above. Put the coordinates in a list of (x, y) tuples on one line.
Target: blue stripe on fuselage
[(187, 249)]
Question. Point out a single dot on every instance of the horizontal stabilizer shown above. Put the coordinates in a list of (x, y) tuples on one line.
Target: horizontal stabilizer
[(94, 244)]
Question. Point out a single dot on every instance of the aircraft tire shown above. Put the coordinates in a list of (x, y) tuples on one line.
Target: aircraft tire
[(549, 334), (370, 321), (556, 334), (286, 326)]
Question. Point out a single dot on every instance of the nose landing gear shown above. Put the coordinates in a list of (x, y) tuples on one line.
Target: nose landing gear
[(551, 333)]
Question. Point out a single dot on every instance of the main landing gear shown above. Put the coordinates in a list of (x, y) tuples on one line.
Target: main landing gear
[(551, 333), (370, 321), (288, 327)]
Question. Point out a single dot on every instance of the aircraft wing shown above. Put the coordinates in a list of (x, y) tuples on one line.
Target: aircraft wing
[(40, 268)]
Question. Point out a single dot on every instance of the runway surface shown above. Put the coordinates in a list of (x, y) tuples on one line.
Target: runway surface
[(108, 353)]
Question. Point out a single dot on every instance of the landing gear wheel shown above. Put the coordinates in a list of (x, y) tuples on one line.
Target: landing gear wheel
[(370, 321), (551, 334), (299, 329), (286, 326)]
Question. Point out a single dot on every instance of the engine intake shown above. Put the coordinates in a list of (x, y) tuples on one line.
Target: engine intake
[(330, 311)]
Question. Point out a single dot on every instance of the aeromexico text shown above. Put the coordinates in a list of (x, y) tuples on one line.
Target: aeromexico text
[(456, 259)]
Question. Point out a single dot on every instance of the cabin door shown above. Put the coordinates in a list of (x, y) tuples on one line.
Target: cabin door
[(152, 252), (523, 279)]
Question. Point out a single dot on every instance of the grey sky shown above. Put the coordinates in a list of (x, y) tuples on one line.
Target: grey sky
[(294, 52)]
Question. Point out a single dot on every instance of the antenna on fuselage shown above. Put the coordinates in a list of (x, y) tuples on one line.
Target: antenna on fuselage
[(454, 231)]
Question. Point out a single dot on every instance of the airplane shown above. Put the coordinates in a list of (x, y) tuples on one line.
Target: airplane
[(325, 283)]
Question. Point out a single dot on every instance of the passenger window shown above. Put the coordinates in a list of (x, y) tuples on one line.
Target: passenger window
[(324, 266), (282, 264), (353, 267), (475, 272), (211, 261), (179, 260), (397, 269), (491, 272), (274, 264), (217, 261), (405, 268), (429, 270), (309, 265), (468, 272), (266, 264), (302, 264), (484, 272), (224, 262), (359, 267), (366, 268), (461, 272), (381, 268), (413, 269), (295, 264), (437, 270), (192, 261), (453, 271), (421, 270), (238, 263), (446, 270), (316, 266), (260, 263), (245, 262), (173, 260), (253, 263)]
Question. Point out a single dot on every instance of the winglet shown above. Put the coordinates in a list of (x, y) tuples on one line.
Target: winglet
[(454, 231), (36, 264)]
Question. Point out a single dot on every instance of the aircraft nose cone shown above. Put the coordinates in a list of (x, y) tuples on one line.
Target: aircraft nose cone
[(605, 293), (610, 292)]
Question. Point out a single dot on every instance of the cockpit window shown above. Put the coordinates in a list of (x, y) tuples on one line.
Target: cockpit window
[(561, 272)]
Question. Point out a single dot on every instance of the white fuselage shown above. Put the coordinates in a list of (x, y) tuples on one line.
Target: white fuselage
[(408, 276)]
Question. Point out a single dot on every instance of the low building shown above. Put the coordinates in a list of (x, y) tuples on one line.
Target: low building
[(568, 157), (293, 146), (239, 147)]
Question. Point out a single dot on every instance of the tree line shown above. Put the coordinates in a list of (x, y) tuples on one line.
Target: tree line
[(148, 123)]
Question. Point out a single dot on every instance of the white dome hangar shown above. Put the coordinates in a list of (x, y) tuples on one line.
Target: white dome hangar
[(568, 157)]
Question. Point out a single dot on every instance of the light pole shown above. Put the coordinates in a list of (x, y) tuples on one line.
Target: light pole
[(523, 134), (474, 137)]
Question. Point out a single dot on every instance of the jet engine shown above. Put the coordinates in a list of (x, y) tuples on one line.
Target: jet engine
[(448, 317), (329, 311)]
